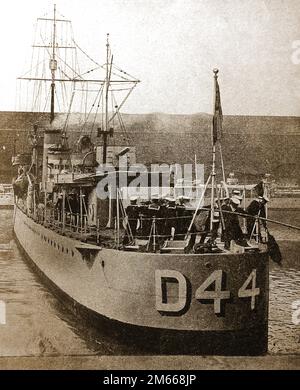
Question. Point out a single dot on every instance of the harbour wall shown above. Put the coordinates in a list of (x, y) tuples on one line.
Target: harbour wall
[(252, 145)]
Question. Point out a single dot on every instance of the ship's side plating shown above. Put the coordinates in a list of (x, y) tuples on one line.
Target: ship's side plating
[(205, 294)]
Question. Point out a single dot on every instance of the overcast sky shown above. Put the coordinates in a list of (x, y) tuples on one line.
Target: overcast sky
[(172, 47)]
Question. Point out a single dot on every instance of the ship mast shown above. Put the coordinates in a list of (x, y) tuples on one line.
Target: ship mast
[(106, 84), (49, 41), (53, 66), (213, 170), (106, 131)]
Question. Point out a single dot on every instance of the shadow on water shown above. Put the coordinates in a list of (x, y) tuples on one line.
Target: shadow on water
[(38, 323)]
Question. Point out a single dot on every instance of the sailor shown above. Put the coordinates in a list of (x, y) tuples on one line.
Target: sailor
[(170, 221), (237, 194), (225, 201), (40, 211), (154, 205), (59, 205), (184, 212), (154, 222), (132, 212), (215, 223), (151, 212), (256, 208), (233, 230), (143, 230)]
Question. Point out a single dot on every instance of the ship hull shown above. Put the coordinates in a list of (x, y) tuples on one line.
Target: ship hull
[(160, 303)]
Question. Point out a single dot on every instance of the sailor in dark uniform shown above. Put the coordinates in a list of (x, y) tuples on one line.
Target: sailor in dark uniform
[(256, 208), (170, 221), (59, 206), (215, 223), (132, 212), (237, 194), (145, 222), (155, 220), (184, 213), (233, 230)]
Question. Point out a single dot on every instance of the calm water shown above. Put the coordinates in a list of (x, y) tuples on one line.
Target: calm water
[(37, 324)]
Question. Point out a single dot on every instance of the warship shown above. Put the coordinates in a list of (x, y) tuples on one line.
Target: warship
[(149, 268)]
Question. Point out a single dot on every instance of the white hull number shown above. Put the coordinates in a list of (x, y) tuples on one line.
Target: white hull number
[(172, 292)]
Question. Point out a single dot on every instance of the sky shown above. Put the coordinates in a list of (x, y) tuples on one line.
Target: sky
[(172, 46)]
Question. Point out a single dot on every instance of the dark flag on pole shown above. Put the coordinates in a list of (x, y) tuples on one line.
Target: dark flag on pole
[(218, 115)]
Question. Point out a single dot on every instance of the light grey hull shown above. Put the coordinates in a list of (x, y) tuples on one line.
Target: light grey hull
[(162, 294)]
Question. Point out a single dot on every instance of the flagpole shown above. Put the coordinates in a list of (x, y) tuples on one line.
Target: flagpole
[(213, 171)]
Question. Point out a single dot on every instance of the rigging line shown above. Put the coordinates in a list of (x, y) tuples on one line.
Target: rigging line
[(85, 102), (67, 92), (83, 125), (68, 115), (121, 89), (112, 108), (67, 65), (81, 100), (57, 99), (46, 100), (123, 71), (57, 55), (35, 101), (76, 53), (128, 134), (120, 76), (89, 71), (32, 54), (44, 84), (31, 69), (87, 90), (63, 88), (90, 58), (123, 102), (98, 105), (62, 85), (123, 127), (35, 84), (135, 80), (101, 66), (128, 138)]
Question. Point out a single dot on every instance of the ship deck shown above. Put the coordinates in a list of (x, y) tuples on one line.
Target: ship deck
[(106, 237)]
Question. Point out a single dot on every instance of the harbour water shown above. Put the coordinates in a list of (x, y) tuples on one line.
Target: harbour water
[(38, 325)]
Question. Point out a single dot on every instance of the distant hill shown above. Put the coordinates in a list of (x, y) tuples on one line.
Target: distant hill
[(252, 145)]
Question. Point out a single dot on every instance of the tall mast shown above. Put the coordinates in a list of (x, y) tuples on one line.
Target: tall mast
[(53, 65), (106, 102), (106, 131), (213, 170), (107, 83)]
